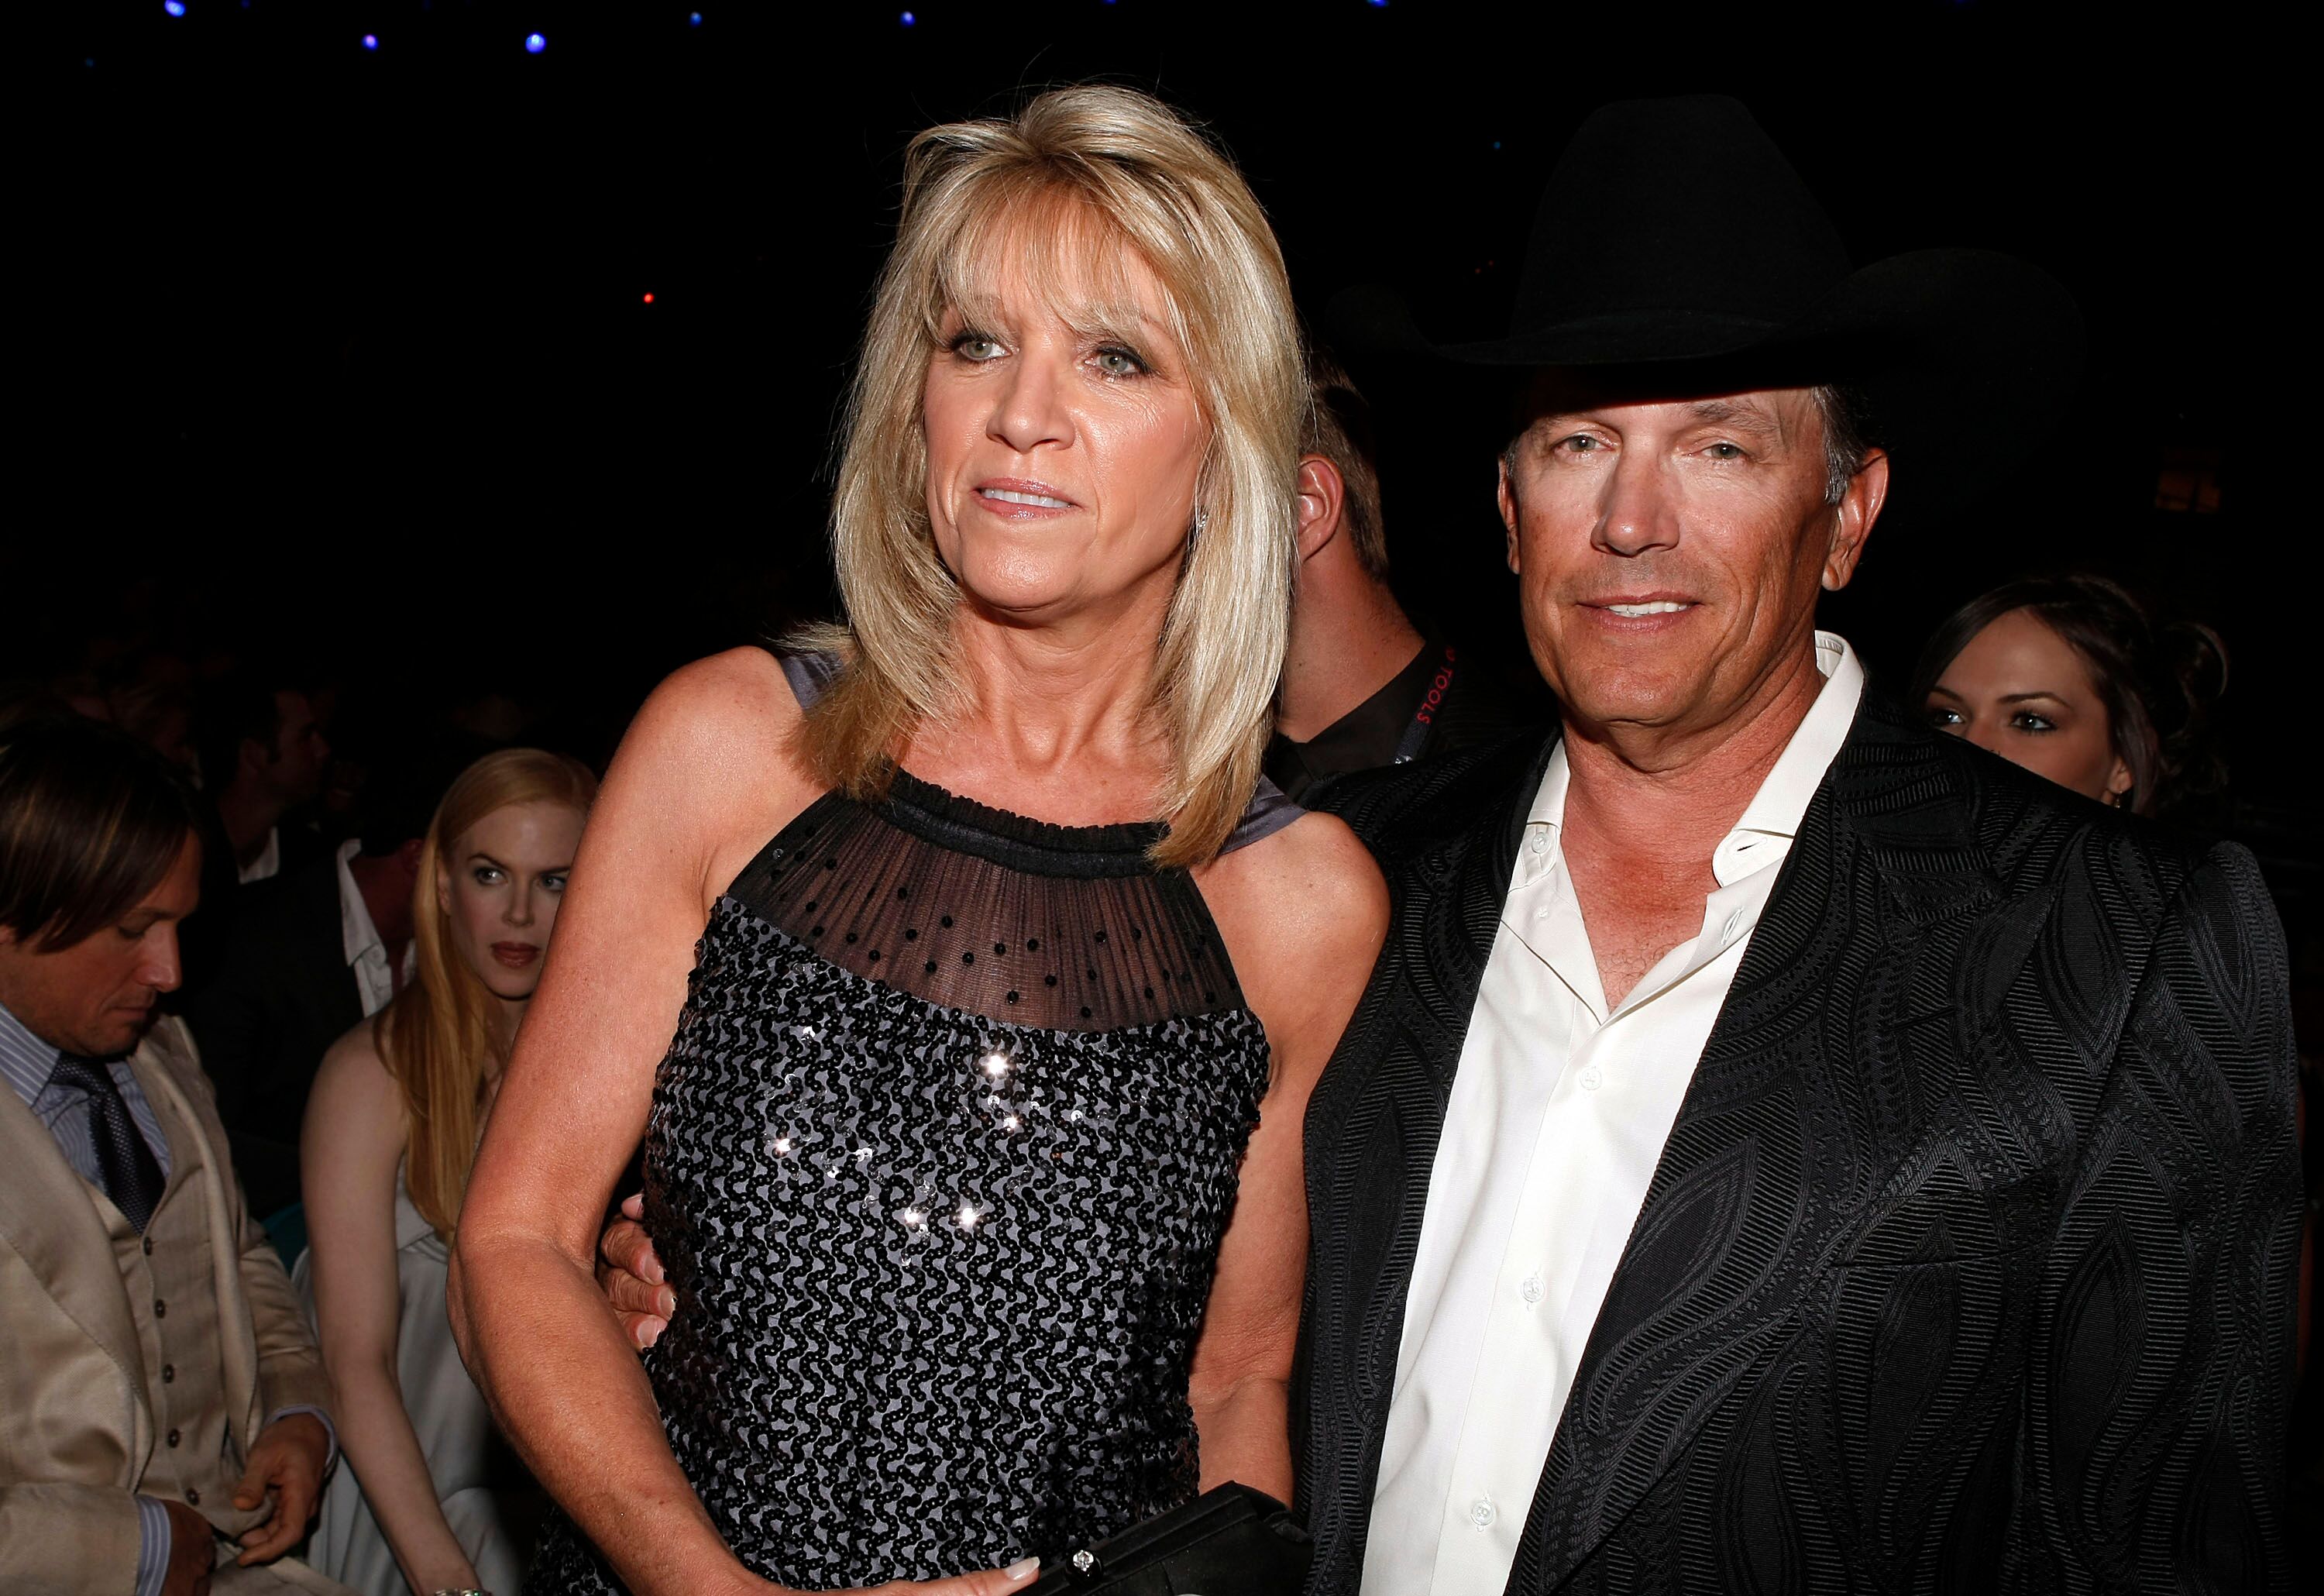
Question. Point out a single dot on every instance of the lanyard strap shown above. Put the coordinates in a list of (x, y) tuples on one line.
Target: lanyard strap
[(1416, 735)]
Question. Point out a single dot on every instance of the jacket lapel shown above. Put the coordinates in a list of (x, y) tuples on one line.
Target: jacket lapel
[(1754, 1184), (1474, 894), (1375, 1119), (47, 1216)]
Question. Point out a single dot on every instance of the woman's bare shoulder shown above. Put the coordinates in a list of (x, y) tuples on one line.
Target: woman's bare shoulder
[(355, 1092), (738, 704), (1313, 885), (715, 731), (1314, 866), (706, 773), (355, 1059)]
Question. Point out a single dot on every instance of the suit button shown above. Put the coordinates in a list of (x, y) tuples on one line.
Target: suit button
[(193, 1497), (149, 1246), (160, 1309), (173, 1437), (169, 1373)]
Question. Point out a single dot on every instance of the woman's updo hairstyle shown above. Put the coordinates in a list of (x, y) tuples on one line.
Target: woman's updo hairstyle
[(2159, 681)]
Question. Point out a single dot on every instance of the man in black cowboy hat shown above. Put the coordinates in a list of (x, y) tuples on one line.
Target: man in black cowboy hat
[(1783, 1148)]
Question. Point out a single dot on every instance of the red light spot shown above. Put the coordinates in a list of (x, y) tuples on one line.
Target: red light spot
[(649, 299)]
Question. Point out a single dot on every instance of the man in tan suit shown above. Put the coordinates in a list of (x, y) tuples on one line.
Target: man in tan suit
[(161, 1403)]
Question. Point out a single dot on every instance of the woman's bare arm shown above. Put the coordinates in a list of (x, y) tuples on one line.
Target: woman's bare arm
[(699, 782), (351, 1144), (1303, 915)]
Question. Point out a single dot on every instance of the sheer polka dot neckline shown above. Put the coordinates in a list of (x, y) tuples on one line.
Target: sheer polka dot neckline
[(973, 907)]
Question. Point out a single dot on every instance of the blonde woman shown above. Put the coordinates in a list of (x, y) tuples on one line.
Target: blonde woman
[(428, 1499), (965, 986)]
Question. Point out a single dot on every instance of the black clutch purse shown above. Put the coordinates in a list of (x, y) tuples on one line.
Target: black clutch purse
[(1232, 1541)]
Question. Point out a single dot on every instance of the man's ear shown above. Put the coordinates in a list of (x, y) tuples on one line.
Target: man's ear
[(1506, 493), (1852, 519), (1323, 498)]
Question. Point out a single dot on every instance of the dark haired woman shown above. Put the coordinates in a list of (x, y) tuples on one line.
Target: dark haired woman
[(2071, 677)]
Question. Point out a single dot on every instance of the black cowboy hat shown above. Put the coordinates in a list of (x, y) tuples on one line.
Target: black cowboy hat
[(1677, 247)]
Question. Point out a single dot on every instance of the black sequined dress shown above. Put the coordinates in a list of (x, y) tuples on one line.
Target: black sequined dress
[(938, 1163)]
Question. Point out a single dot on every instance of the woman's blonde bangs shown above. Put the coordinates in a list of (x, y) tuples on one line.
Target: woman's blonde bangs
[(1043, 235), (1061, 199)]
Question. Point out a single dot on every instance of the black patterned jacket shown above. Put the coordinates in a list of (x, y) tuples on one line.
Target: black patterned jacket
[(1970, 1262)]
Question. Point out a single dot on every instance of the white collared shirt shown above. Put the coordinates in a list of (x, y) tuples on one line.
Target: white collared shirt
[(366, 953), (267, 865), (1556, 1120)]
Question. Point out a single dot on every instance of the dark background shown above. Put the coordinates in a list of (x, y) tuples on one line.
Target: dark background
[(344, 354)]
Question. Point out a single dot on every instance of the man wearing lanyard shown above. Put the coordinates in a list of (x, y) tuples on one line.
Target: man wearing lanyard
[(1362, 687)]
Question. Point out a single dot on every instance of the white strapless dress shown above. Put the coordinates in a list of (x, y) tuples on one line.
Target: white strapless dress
[(491, 1502)]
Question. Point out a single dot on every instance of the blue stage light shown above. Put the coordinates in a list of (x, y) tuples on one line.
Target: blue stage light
[(693, 19), (908, 19), (534, 44), (371, 42), (174, 7)]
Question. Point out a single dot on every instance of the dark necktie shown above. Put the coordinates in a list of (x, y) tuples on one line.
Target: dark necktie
[(127, 1169)]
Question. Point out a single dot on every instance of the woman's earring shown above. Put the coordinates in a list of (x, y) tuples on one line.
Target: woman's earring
[(1201, 519)]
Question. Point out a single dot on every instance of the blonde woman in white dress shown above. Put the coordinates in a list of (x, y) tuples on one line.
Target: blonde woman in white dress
[(429, 1497)]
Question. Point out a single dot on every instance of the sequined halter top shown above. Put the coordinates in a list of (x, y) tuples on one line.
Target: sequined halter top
[(938, 1163)]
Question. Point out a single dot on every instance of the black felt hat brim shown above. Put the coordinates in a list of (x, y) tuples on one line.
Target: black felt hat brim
[(1969, 358)]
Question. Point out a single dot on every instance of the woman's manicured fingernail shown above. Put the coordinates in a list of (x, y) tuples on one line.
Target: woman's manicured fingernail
[(1023, 1569), (665, 1303)]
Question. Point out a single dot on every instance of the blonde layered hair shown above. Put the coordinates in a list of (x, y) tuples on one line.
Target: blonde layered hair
[(1077, 183), (436, 1039)]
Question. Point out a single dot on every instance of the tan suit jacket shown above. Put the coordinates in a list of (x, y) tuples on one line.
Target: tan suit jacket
[(76, 1427)]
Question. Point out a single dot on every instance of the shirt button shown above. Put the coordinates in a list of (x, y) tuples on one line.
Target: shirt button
[(1530, 1290), (1593, 1077), (173, 1437), (1482, 1513), (160, 1309), (1734, 923), (169, 1373), (1540, 844)]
